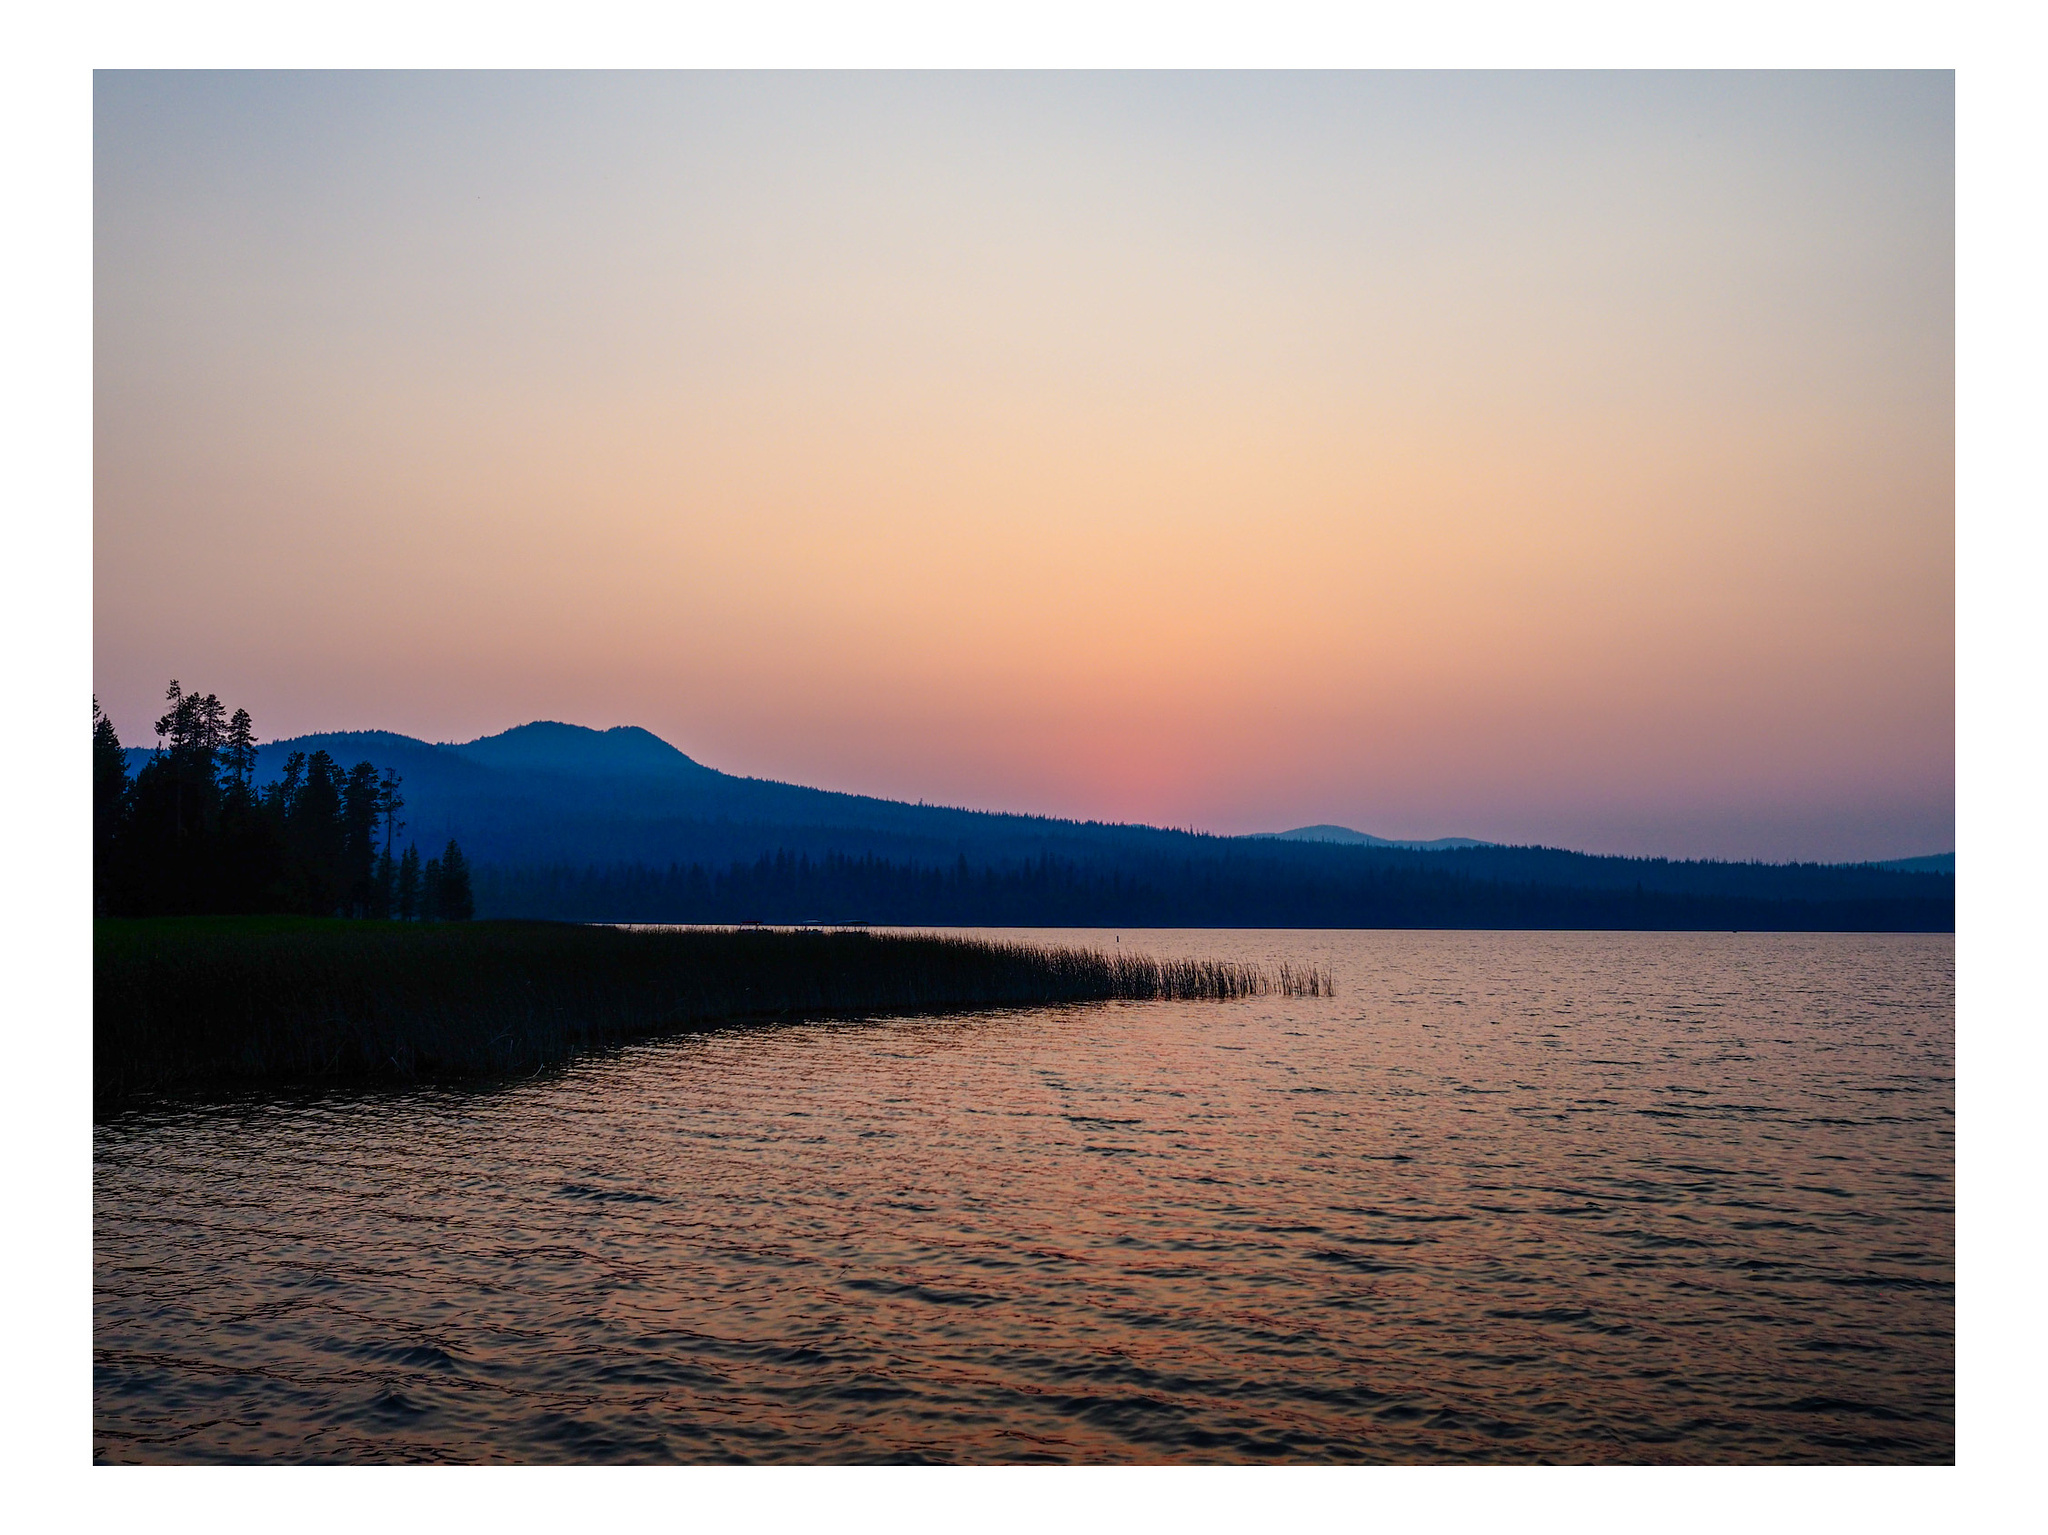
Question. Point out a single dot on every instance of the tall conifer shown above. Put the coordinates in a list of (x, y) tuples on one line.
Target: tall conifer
[(457, 905), (407, 895), (109, 804), (238, 752)]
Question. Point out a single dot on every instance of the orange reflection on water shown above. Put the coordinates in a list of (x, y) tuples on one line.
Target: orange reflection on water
[(1506, 1197)]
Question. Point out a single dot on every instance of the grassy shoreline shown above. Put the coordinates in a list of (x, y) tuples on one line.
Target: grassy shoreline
[(184, 1004)]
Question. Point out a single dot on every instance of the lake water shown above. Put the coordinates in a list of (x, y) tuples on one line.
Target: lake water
[(1506, 1197)]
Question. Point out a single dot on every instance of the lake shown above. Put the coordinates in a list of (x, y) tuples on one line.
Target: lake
[(1505, 1197)]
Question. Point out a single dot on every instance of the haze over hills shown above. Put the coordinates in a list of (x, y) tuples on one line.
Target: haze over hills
[(1346, 837), (566, 821)]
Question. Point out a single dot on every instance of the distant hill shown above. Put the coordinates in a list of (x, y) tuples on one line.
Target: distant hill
[(1346, 837), (618, 825), (547, 746), (1932, 863), (550, 793)]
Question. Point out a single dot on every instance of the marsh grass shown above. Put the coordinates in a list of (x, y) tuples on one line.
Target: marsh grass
[(1303, 981), (208, 1002)]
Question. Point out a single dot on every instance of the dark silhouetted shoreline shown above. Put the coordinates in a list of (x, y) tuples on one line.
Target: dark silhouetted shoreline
[(211, 1002)]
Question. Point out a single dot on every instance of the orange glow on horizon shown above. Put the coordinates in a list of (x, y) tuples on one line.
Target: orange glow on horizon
[(1532, 458)]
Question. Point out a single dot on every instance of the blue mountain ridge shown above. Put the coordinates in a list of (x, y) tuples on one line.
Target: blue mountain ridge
[(549, 794)]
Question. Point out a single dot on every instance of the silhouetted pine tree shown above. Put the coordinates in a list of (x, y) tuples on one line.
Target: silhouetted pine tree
[(407, 894), (457, 905), (171, 857), (315, 836), (360, 813), (109, 804), (430, 891), (238, 752), (389, 803)]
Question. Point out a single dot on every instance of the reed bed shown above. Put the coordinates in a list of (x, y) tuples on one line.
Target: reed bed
[(1304, 981), (211, 1002)]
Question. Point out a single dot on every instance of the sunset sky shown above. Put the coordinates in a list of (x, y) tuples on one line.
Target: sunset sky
[(1553, 457)]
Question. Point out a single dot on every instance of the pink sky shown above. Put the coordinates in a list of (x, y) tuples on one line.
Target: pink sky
[(1539, 458)]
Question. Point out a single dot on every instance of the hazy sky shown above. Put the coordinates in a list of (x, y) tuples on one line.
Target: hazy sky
[(1562, 458)]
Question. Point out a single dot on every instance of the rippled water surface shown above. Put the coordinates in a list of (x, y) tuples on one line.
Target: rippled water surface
[(1506, 1197)]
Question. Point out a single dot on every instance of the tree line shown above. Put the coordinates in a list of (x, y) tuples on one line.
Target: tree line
[(1245, 890), (193, 834)]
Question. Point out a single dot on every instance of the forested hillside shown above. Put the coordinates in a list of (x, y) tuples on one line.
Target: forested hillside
[(1230, 890), (575, 824), (619, 826)]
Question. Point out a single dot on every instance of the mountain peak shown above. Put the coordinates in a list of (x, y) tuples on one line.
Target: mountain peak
[(550, 746)]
